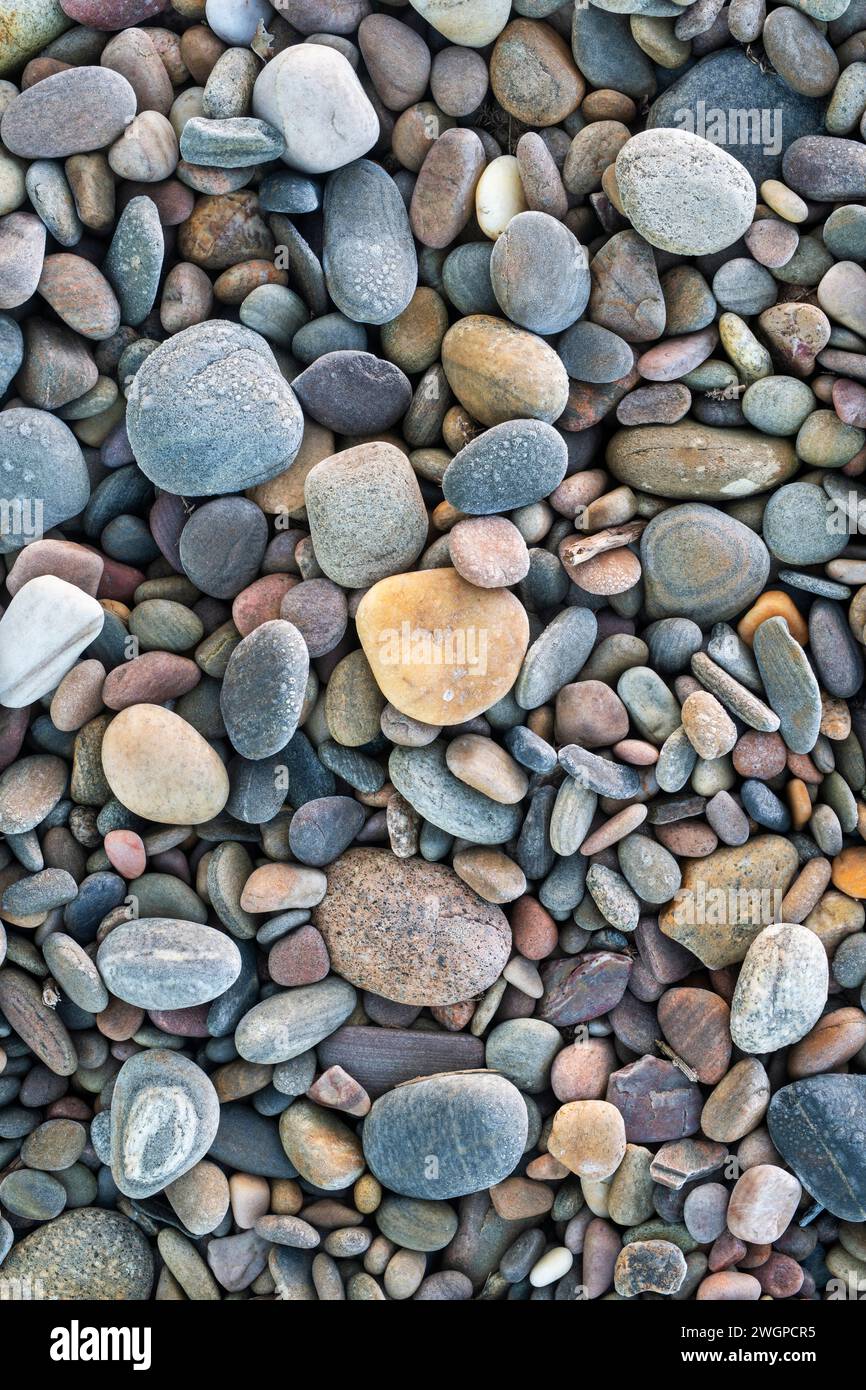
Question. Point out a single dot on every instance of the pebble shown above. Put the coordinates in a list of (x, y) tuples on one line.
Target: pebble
[(159, 767), (131, 961), (419, 902), (540, 273), (762, 1204), (484, 1112), (441, 650), (701, 564), (79, 109), (500, 372), (790, 684), (781, 989), (814, 1124), (89, 1253), (363, 209), (286, 1025), (323, 131), (212, 372), (649, 1266), (682, 193), (164, 1117), (67, 621), (701, 464), (273, 662), (378, 485)]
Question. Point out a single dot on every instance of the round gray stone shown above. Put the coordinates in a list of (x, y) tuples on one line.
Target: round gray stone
[(208, 412)]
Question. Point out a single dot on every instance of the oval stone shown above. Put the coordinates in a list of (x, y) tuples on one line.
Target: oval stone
[(209, 412), (90, 1254), (781, 989), (540, 273), (310, 94), (366, 513), (164, 1117), (160, 767), (287, 1024), (442, 650), (163, 963), (369, 255), (410, 931), (69, 112), (41, 460), (701, 564), (511, 465), (474, 1123), (683, 193), (499, 372), (701, 462), (817, 1125), (263, 689)]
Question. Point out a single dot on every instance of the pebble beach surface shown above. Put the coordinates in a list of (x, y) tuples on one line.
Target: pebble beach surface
[(432, 712)]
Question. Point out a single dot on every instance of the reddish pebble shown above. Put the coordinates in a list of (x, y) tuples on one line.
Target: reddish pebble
[(185, 1023), (731, 1285), (260, 602), (77, 564), (636, 752), (126, 852), (112, 14), (759, 755), (725, 1252), (301, 958), (337, 1090), (119, 581), (688, 839), (535, 932), (849, 402), (120, 1020), (68, 1108)]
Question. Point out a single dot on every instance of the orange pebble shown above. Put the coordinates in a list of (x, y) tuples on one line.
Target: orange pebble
[(800, 803), (849, 872), (445, 516), (773, 604)]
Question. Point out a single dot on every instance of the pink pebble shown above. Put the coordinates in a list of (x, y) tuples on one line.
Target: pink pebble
[(185, 1023), (126, 852)]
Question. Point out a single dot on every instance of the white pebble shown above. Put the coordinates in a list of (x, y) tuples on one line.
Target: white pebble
[(551, 1267)]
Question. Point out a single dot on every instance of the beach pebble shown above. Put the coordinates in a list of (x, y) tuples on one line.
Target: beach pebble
[(164, 1117), (368, 888), (160, 767), (682, 193), (323, 133), (484, 1111)]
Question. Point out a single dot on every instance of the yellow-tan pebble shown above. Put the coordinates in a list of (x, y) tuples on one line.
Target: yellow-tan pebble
[(278, 887), (492, 875), (499, 372), (784, 201), (742, 347), (367, 1193), (499, 195), (159, 767), (588, 1136), (441, 650), (485, 765)]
